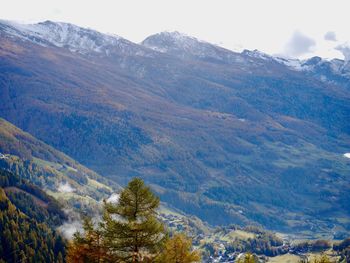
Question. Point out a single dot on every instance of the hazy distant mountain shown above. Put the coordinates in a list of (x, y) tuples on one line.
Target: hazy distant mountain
[(230, 137)]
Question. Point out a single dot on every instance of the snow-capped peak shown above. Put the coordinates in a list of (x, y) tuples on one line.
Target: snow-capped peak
[(60, 34), (176, 35), (257, 54), (184, 46), (167, 41)]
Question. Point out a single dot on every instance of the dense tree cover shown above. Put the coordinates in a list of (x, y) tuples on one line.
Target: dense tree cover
[(312, 246), (264, 243), (27, 218), (23, 239), (25, 196), (130, 232)]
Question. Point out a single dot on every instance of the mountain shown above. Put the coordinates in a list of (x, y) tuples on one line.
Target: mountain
[(187, 47), (74, 38), (229, 137)]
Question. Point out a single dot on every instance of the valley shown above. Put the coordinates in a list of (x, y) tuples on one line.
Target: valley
[(228, 137), (248, 152)]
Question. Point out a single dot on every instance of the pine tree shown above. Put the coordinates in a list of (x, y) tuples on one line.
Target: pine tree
[(131, 230), (178, 250)]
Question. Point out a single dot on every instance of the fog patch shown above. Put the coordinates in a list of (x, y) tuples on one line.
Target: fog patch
[(65, 188), (70, 227), (113, 199)]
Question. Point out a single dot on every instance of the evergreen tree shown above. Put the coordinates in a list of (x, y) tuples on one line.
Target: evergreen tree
[(178, 250), (131, 230)]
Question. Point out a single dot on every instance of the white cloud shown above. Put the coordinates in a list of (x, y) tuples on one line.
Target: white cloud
[(65, 188), (299, 44), (345, 50), (347, 155), (330, 36)]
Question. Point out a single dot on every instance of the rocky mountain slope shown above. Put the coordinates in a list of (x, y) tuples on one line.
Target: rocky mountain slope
[(230, 137)]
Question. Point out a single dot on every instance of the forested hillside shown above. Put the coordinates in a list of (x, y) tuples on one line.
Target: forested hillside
[(28, 218), (51, 170)]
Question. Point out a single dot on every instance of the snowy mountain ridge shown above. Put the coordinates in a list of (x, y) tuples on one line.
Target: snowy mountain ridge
[(88, 41), (59, 34), (171, 39), (321, 66), (184, 46)]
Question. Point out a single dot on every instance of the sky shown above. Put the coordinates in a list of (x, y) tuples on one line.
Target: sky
[(291, 28)]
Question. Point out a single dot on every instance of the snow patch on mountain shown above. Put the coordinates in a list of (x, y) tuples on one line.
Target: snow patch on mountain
[(179, 44), (184, 46), (60, 34), (294, 64), (326, 70), (323, 67), (257, 54)]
